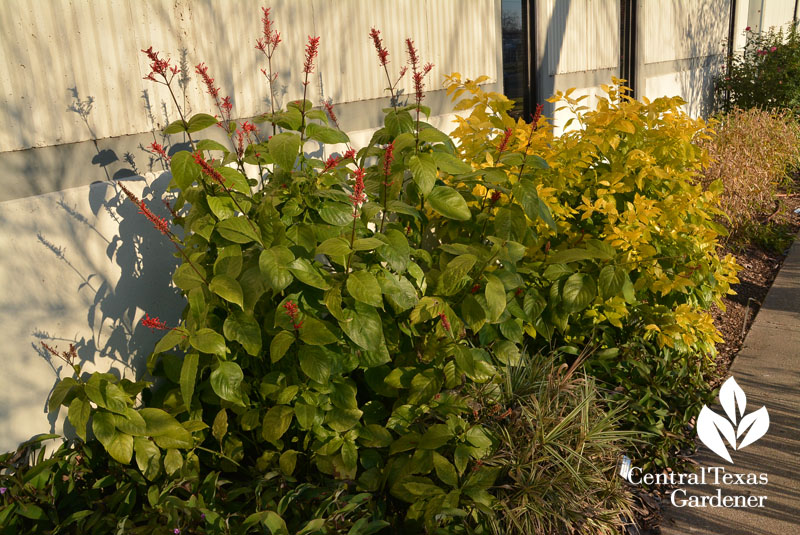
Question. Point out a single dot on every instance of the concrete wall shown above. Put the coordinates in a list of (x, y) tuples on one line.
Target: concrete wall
[(79, 264)]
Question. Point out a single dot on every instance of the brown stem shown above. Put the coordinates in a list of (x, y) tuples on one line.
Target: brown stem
[(352, 239), (175, 100), (271, 92)]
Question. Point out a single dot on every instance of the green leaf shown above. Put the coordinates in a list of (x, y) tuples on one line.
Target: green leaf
[(375, 436), (169, 340), (226, 381), (569, 255), (272, 264), (187, 277), (220, 426), (106, 394), (334, 247), (364, 287), (342, 420), (579, 290), (325, 134), (510, 223), (208, 341), (131, 423), (79, 412), (227, 288), (118, 445), (315, 364), (445, 471), (526, 195), (229, 261), (276, 422), (287, 462), (367, 244), (555, 272), (210, 144), (423, 171), (435, 437), (316, 332), (184, 169), (148, 457), (473, 313), (176, 126), (280, 344), (397, 252), (173, 461), (336, 213), (343, 395), (495, 297), (284, 149), (533, 304), (450, 164), (238, 230), (399, 291), (188, 378), (433, 135), (546, 215), (167, 431), (611, 281), (201, 121), (451, 279), (424, 386), (308, 274), (243, 328), (237, 181), (62, 388), (363, 326), (449, 203)]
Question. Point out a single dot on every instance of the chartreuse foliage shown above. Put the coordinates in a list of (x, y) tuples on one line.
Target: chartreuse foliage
[(629, 259)]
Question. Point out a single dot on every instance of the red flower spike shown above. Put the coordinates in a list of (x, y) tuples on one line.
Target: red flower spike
[(312, 49), (159, 149), (154, 323), (445, 321), (413, 59), (536, 116), (271, 38), (208, 81), (292, 311), (159, 223), (157, 66), (506, 137), (331, 162), (329, 108), (383, 54), (349, 154), (495, 197), (475, 288), (208, 169), (388, 158), (358, 197)]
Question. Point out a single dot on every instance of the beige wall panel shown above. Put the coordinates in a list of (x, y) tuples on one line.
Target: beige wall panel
[(683, 29), (580, 35), (94, 47), (776, 13)]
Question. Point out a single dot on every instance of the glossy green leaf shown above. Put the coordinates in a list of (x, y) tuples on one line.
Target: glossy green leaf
[(226, 381), (364, 287), (423, 171), (173, 461), (611, 281), (242, 327), (308, 274), (280, 343), (148, 457), (208, 341), (273, 264), (495, 297), (579, 290), (227, 288), (363, 326), (326, 134), (449, 202), (238, 230), (184, 169), (276, 422), (201, 121), (284, 149), (450, 164), (316, 332), (189, 377), (79, 412), (314, 364)]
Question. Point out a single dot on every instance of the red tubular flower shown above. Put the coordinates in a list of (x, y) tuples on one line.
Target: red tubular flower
[(271, 38), (475, 288), (383, 54), (358, 196), (159, 149), (158, 66), (349, 154), (413, 59), (208, 81), (154, 323), (388, 158), (536, 116), (239, 143), (312, 49), (293, 311), (445, 321), (208, 169), (331, 162), (495, 197), (506, 137), (159, 223), (329, 108)]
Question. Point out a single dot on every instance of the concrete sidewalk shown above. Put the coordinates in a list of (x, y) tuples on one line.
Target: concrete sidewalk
[(768, 370)]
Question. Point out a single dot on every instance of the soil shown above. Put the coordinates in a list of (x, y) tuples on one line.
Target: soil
[(760, 266)]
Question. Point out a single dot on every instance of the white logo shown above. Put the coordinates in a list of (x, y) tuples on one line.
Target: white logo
[(711, 427)]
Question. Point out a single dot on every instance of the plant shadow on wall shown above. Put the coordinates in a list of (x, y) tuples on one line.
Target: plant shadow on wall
[(106, 220)]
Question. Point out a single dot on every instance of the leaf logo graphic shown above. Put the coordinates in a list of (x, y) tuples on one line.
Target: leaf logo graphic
[(712, 428)]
